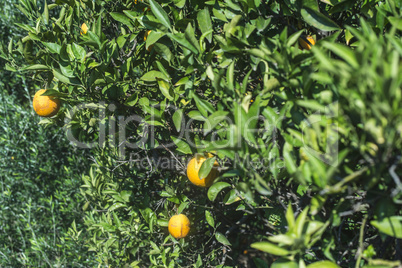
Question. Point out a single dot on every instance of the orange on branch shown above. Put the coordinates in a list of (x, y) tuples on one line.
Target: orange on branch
[(179, 226), (84, 28), (193, 168), (145, 39), (45, 106), (305, 44)]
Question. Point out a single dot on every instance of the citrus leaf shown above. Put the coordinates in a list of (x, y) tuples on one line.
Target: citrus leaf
[(318, 20), (65, 79), (210, 218), (204, 22), (391, 226), (53, 47), (396, 22), (206, 167), (323, 264), (213, 120), (215, 189), (160, 14), (120, 17), (270, 248), (203, 106), (284, 263), (35, 67), (79, 51), (182, 146), (344, 52), (166, 89), (182, 40), (196, 115), (152, 76), (222, 239), (177, 119), (162, 223)]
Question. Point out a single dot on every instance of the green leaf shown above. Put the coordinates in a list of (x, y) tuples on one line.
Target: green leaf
[(162, 222), (289, 159), (35, 67), (179, 3), (152, 76), (344, 52), (300, 221), (323, 264), (53, 47), (190, 36), (153, 37), (318, 20), (396, 22), (120, 17), (205, 23), (213, 120), (206, 167), (314, 105), (182, 146), (93, 39), (65, 79), (132, 100), (45, 14), (79, 52), (210, 218), (317, 202), (177, 119), (182, 40), (196, 115), (231, 197), (290, 219), (391, 226), (222, 239), (219, 14), (182, 207), (116, 206), (10, 68), (166, 89), (293, 38), (160, 14), (284, 263), (203, 106), (270, 248), (215, 189)]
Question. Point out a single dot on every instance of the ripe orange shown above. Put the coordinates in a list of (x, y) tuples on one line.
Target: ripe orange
[(84, 28), (306, 45), (179, 226), (145, 39), (194, 166), (45, 106)]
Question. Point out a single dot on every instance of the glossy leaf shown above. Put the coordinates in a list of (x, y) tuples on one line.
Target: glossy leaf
[(318, 20), (215, 189)]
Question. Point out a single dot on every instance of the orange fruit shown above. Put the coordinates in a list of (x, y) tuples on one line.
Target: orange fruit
[(306, 45), (179, 226), (45, 106), (84, 28), (145, 39), (193, 168)]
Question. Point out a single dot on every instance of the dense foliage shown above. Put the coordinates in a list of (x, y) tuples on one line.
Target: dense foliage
[(308, 141), (40, 202)]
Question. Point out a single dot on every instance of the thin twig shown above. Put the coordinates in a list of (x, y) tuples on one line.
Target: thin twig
[(361, 238)]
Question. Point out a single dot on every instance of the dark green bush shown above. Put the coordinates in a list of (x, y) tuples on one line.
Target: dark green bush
[(40, 205)]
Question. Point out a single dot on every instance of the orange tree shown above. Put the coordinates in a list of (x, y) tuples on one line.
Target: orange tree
[(308, 141)]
